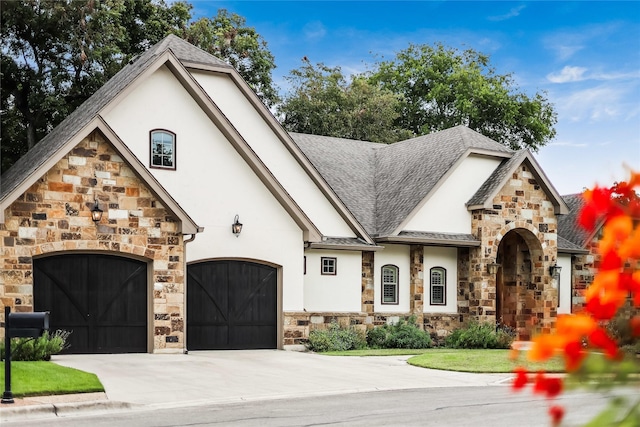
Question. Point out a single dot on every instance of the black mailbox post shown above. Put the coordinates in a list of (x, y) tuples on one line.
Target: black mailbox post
[(18, 325)]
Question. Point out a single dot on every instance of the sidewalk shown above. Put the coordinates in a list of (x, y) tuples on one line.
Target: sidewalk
[(217, 377)]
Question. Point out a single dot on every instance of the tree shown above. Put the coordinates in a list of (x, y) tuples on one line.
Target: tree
[(227, 37), (57, 53), (322, 102), (442, 87)]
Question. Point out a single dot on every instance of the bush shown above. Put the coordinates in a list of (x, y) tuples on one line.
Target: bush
[(35, 349), (336, 338), (404, 334), (480, 335)]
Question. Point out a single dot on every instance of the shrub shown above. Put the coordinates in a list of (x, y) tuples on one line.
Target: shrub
[(404, 334), (480, 335), (336, 338), (34, 349)]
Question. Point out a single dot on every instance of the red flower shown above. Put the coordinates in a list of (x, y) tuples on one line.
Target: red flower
[(556, 413), (573, 355), (599, 338), (635, 326), (602, 310), (549, 386), (521, 379)]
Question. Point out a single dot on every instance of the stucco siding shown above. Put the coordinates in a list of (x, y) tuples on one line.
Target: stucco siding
[(564, 286), (446, 258), (445, 210), (333, 293), (273, 153), (212, 182), (399, 256)]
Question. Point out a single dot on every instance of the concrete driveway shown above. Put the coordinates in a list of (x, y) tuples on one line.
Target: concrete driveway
[(231, 376)]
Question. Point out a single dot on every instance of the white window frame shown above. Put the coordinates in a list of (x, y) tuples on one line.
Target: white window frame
[(328, 266), (433, 285), (167, 139), (389, 284)]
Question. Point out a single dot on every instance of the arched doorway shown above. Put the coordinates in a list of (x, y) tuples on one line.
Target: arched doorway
[(519, 286)]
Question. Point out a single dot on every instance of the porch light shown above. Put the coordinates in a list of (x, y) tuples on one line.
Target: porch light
[(96, 212), (493, 268), (554, 270), (236, 227)]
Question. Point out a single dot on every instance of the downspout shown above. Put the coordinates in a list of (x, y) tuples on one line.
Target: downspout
[(184, 301)]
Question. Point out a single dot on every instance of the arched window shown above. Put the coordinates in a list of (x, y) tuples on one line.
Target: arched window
[(438, 282), (163, 149), (389, 284)]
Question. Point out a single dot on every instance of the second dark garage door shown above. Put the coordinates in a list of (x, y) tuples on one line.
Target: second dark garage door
[(231, 305)]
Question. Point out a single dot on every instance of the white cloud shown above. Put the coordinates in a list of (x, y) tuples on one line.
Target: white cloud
[(568, 144), (314, 30), (568, 74), (511, 14), (596, 103)]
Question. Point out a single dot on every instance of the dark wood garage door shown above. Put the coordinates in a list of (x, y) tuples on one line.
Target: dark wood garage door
[(231, 305), (101, 298)]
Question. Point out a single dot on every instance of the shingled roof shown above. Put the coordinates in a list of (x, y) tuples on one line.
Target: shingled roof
[(381, 184), (572, 235), (86, 112)]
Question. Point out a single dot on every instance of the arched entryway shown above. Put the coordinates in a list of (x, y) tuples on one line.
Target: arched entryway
[(519, 286)]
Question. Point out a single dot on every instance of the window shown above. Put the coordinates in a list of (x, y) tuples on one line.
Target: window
[(329, 266), (389, 284), (438, 286), (163, 149)]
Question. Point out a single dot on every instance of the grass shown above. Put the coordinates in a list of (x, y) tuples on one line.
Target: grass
[(479, 361), (47, 378)]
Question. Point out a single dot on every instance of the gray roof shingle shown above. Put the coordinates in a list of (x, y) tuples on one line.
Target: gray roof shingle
[(568, 227), (382, 184)]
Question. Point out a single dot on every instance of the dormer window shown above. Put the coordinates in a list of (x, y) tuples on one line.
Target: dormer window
[(163, 149)]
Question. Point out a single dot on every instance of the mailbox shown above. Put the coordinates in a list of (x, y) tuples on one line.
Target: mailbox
[(28, 324)]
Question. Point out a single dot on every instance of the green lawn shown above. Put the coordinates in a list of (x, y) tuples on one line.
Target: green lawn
[(46, 378), (486, 361)]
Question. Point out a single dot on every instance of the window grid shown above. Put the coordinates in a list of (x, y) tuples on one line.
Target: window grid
[(389, 284), (329, 266), (438, 286), (163, 149)]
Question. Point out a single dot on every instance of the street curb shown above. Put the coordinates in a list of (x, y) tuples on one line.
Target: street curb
[(50, 410)]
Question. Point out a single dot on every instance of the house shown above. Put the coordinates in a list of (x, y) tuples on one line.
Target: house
[(220, 230)]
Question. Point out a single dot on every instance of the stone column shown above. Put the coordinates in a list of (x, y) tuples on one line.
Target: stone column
[(416, 285), (368, 294)]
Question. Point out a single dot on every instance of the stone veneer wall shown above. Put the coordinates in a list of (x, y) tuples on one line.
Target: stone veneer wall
[(53, 216), (521, 206)]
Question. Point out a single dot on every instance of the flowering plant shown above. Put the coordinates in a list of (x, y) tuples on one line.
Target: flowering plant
[(591, 353)]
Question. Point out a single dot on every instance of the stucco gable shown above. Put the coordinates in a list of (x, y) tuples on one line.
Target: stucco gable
[(492, 186), (85, 118)]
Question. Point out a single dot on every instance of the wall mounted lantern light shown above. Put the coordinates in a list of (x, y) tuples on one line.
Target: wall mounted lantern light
[(554, 270), (236, 227), (493, 268), (96, 212)]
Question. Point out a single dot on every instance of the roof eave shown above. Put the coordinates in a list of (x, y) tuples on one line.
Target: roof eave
[(334, 246), (426, 241)]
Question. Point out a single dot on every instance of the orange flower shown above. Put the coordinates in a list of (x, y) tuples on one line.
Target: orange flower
[(543, 347)]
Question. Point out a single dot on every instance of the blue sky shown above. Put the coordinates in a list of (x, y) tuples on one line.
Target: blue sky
[(585, 55)]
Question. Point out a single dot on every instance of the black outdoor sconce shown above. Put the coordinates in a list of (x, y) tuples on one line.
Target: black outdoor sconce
[(96, 212), (236, 227), (554, 270)]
